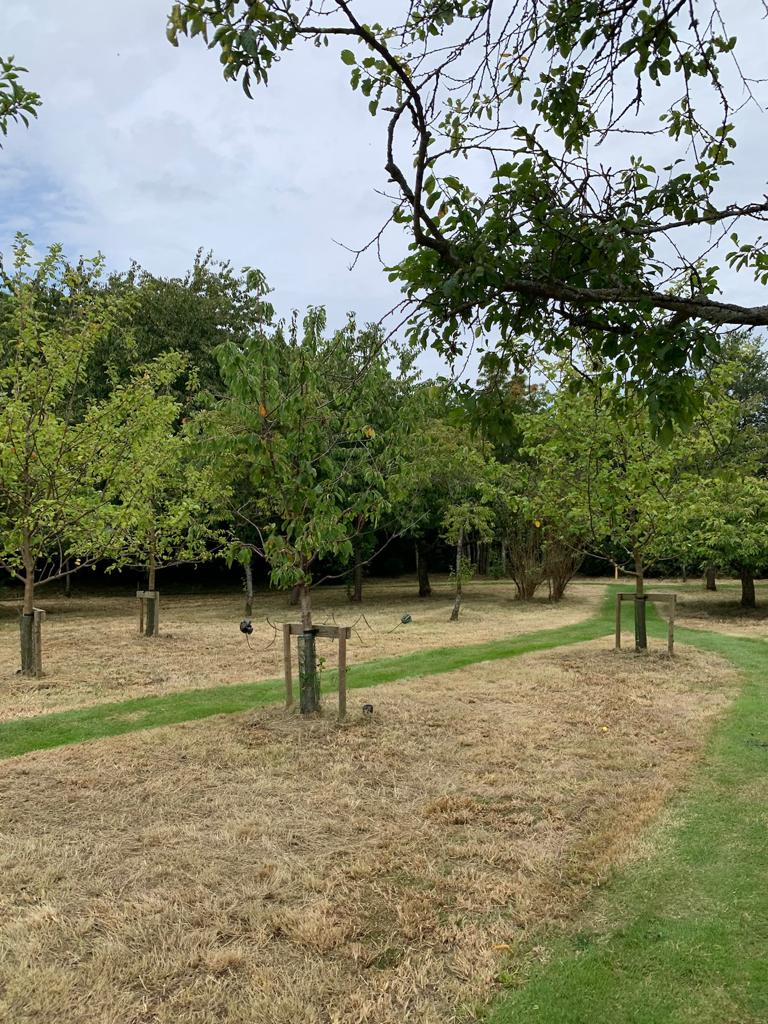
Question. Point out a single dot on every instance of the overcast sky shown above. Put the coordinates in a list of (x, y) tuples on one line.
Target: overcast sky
[(143, 152)]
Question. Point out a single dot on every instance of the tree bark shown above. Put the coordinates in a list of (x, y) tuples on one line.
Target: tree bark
[(747, 589), (641, 631), (68, 581), (309, 683), (422, 570), (27, 625), (504, 559), (248, 590), (357, 572), (149, 625), (710, 578), (295, 597), (457, 600)]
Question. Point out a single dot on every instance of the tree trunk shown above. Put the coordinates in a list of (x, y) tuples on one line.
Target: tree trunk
[(504, 559), (685, 572), (67, 581), (149, 625), (747, 589), (641, 633), (457, 599), (295, 597), (357, 572), (27, 625), (710, 578), (422, 570), (309, 683), (248, 590)]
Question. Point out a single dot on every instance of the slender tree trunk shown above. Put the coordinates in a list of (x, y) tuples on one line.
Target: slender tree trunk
[(27, 626), (422, 569), (710, 578), (67, 581), (504, 559), (295, 597), (457, 599), (309, 683), (641, 632), (685, 572), (248, 590), (747, 589), (357, 572), (149, 625)]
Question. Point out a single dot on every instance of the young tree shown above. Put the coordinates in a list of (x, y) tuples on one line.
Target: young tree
[(294, 427), (629, 489), (166, 516), (62, 467), (573, 233)]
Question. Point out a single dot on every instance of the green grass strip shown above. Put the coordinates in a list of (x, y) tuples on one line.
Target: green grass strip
[(688, 940), (23, 735)]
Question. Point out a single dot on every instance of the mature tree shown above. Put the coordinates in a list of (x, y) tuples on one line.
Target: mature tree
[(294, 428), (63, 467), (17, 103), (726, 522), (575, 235)]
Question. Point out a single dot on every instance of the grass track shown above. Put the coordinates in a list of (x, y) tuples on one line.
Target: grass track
[(23, 735), (688, 935)]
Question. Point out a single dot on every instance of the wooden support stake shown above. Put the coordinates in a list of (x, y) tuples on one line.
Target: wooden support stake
[(618, 622), (140, 601), (342, 674), (671, 627), (37, 640), (287, 664)]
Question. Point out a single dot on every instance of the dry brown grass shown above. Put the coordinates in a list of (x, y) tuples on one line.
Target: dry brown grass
[(721, 610), (263, 870), (93, 653)]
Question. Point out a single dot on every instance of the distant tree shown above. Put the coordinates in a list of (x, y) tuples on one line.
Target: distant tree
[(628, 489), (63, 467)]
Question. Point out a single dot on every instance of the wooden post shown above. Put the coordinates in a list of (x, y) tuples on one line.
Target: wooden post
[(671, 627), (287, 664), (342, 673), (37, 640), (149, 612), (618, 622)]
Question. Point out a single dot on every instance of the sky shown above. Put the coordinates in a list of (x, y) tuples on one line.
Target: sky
[(143, 152)]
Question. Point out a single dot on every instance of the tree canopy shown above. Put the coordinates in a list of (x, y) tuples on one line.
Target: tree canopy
[(557, 227)]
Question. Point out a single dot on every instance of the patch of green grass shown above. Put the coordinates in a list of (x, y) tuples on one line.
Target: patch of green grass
[(24, 735), (686, 932)]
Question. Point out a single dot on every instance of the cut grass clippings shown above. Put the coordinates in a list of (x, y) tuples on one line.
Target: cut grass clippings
[(21, 736), (681, 937)]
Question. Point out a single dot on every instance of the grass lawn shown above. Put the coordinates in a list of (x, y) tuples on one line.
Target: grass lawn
[(258, 868), (681, 937), (563, 823)]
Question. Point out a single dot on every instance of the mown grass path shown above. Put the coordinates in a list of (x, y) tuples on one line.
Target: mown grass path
[(23, 735), (687, 939)]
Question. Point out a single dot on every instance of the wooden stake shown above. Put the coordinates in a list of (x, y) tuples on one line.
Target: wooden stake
[(618, 622), (671, 628), (37, 640), (342, 674), (287, 664)]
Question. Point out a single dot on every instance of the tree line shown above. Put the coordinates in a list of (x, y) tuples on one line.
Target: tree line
[(149, 421)]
